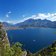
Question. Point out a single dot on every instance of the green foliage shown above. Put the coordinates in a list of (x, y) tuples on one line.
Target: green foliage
[(49, 51), (15, 50)]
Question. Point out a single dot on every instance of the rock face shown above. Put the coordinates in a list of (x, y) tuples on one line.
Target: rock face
[(37, 23), (3, 35), (5, 48), (3, 40)]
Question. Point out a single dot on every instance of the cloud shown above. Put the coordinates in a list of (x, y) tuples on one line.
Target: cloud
[(8, 13), (42, 16), (12, 22)]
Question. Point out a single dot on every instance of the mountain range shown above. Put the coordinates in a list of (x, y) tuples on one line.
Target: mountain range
[(32, 23)]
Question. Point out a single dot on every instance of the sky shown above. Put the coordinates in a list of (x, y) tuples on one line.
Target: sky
[(15, 11)]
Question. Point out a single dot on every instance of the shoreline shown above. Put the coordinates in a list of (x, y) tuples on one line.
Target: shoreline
[(26, 28)]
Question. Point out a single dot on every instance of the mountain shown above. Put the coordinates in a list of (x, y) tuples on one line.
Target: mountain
[(5, 24), (37, 23), (32, 23)]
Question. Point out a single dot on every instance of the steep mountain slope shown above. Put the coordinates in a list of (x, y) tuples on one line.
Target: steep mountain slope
[(4, 42), (6, 49), (37, 23), (32, 23)]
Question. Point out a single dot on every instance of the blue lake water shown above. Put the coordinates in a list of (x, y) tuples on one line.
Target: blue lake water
[(33, 39)]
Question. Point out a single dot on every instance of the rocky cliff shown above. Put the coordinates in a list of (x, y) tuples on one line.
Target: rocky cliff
[(3, 40), (6, 49)]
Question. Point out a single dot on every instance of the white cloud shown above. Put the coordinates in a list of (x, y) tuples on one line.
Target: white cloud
[(42, 16), (48, 16), (8, 13), (12, 22)]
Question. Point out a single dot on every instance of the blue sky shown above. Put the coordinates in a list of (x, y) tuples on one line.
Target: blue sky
[(18, 10)]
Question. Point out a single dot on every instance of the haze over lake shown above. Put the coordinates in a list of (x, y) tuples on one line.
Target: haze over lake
[(33, 39)]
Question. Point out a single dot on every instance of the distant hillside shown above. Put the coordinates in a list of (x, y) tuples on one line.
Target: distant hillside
[(32, 23), (5, 24), (37, 23)]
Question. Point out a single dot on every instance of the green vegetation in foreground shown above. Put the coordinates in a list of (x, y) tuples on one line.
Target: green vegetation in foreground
[(15, 50), (49, 51), (6, 49)]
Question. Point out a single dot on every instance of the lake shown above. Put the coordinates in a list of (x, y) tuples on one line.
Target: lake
[(33, 39)]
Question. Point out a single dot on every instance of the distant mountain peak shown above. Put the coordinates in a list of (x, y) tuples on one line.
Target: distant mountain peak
[(32, 23)]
